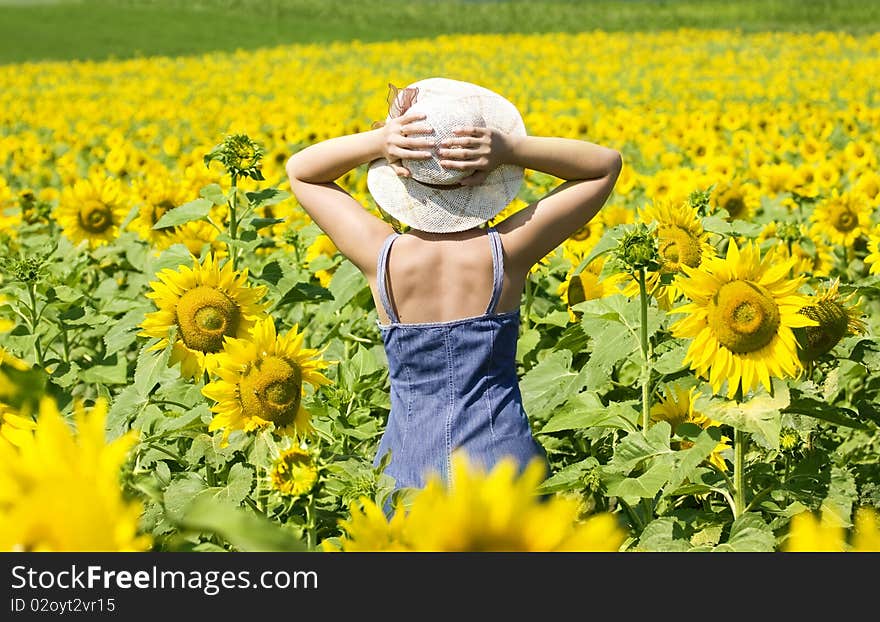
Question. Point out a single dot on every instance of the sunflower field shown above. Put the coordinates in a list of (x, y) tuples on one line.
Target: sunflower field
[(188, 364)]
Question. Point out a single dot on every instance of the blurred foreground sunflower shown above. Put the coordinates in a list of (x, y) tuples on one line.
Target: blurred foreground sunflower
[(494, 511), (60, 489)]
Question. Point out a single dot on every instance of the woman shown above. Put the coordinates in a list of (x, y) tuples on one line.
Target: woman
[(449, 157)]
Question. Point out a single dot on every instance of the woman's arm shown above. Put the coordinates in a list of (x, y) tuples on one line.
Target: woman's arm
[(312, 172), (590, 172)]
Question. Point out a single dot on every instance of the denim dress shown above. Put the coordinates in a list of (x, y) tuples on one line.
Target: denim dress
[(453, 387)]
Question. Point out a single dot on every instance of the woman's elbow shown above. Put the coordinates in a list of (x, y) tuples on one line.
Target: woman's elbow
[(291, 167), (615, 162)]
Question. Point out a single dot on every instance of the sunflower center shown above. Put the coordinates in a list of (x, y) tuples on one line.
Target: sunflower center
[(581, 234), (204, 316), (844, 219), (833, 326), (735, 206), (743, 316), (678, 247), (271, 389), (95, 217)]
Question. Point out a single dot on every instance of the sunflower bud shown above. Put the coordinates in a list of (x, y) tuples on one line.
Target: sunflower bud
[(592, 480), (241, 156), (789, 440), (699, 199), (788, 231), (638, 249), (24, 269)]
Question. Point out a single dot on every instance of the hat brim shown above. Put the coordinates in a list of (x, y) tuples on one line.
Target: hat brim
[(456, 208)]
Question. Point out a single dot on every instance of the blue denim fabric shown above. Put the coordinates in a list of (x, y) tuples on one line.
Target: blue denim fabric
[(453, 386)]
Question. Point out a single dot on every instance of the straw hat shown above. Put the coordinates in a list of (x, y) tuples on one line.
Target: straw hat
[(432, 199)]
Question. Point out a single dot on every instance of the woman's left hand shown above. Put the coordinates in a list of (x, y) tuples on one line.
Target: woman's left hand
[(477, 149)]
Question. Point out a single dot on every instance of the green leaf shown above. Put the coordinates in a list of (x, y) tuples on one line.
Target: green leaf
[(266, 196), (817, 409), (180, 494), (260, 223), (241, 528), (663, 534), (151, 368), (609, 240), (837, 506), (123, 332), (687, 460), (760, 415), (749, 533), (304, 292), (549, 383), (569, 477), (173, 258), (645, 486), (112, 370), (194, 210), (637, 447), (271, 273), (347, 281), (526, 343), (214, 193), (573, 338), (585, 410)]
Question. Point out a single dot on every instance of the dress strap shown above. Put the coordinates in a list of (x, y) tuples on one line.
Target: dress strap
[(382, 274), (497, 269)]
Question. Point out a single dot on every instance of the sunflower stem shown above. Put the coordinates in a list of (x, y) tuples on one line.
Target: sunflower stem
[(310, 521), (646, 355), (233, 221), (739, 490), (38, 354)]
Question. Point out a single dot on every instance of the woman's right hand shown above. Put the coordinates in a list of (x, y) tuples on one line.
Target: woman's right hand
[(405, 138)]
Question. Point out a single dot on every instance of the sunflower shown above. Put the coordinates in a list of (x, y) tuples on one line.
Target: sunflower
[(817, 262), (195, 235), (322, 246), (612, 215), (206, 303), (741, 318), (261, 381), (13, 427), (161, 194), (584, 239), (92, 210), (294, 472), (841, 218), (809, 534), (738, 199), (677, 407), (60, 491), (586, 285), (836, 315), (872, 259), (681, 241), (495, 511)]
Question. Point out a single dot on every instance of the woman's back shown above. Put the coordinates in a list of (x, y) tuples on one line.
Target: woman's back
[(437, 278)]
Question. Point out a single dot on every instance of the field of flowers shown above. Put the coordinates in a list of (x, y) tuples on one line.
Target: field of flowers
[(186, 363)]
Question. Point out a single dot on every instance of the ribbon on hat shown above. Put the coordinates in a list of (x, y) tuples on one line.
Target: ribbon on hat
[(399, 101)]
